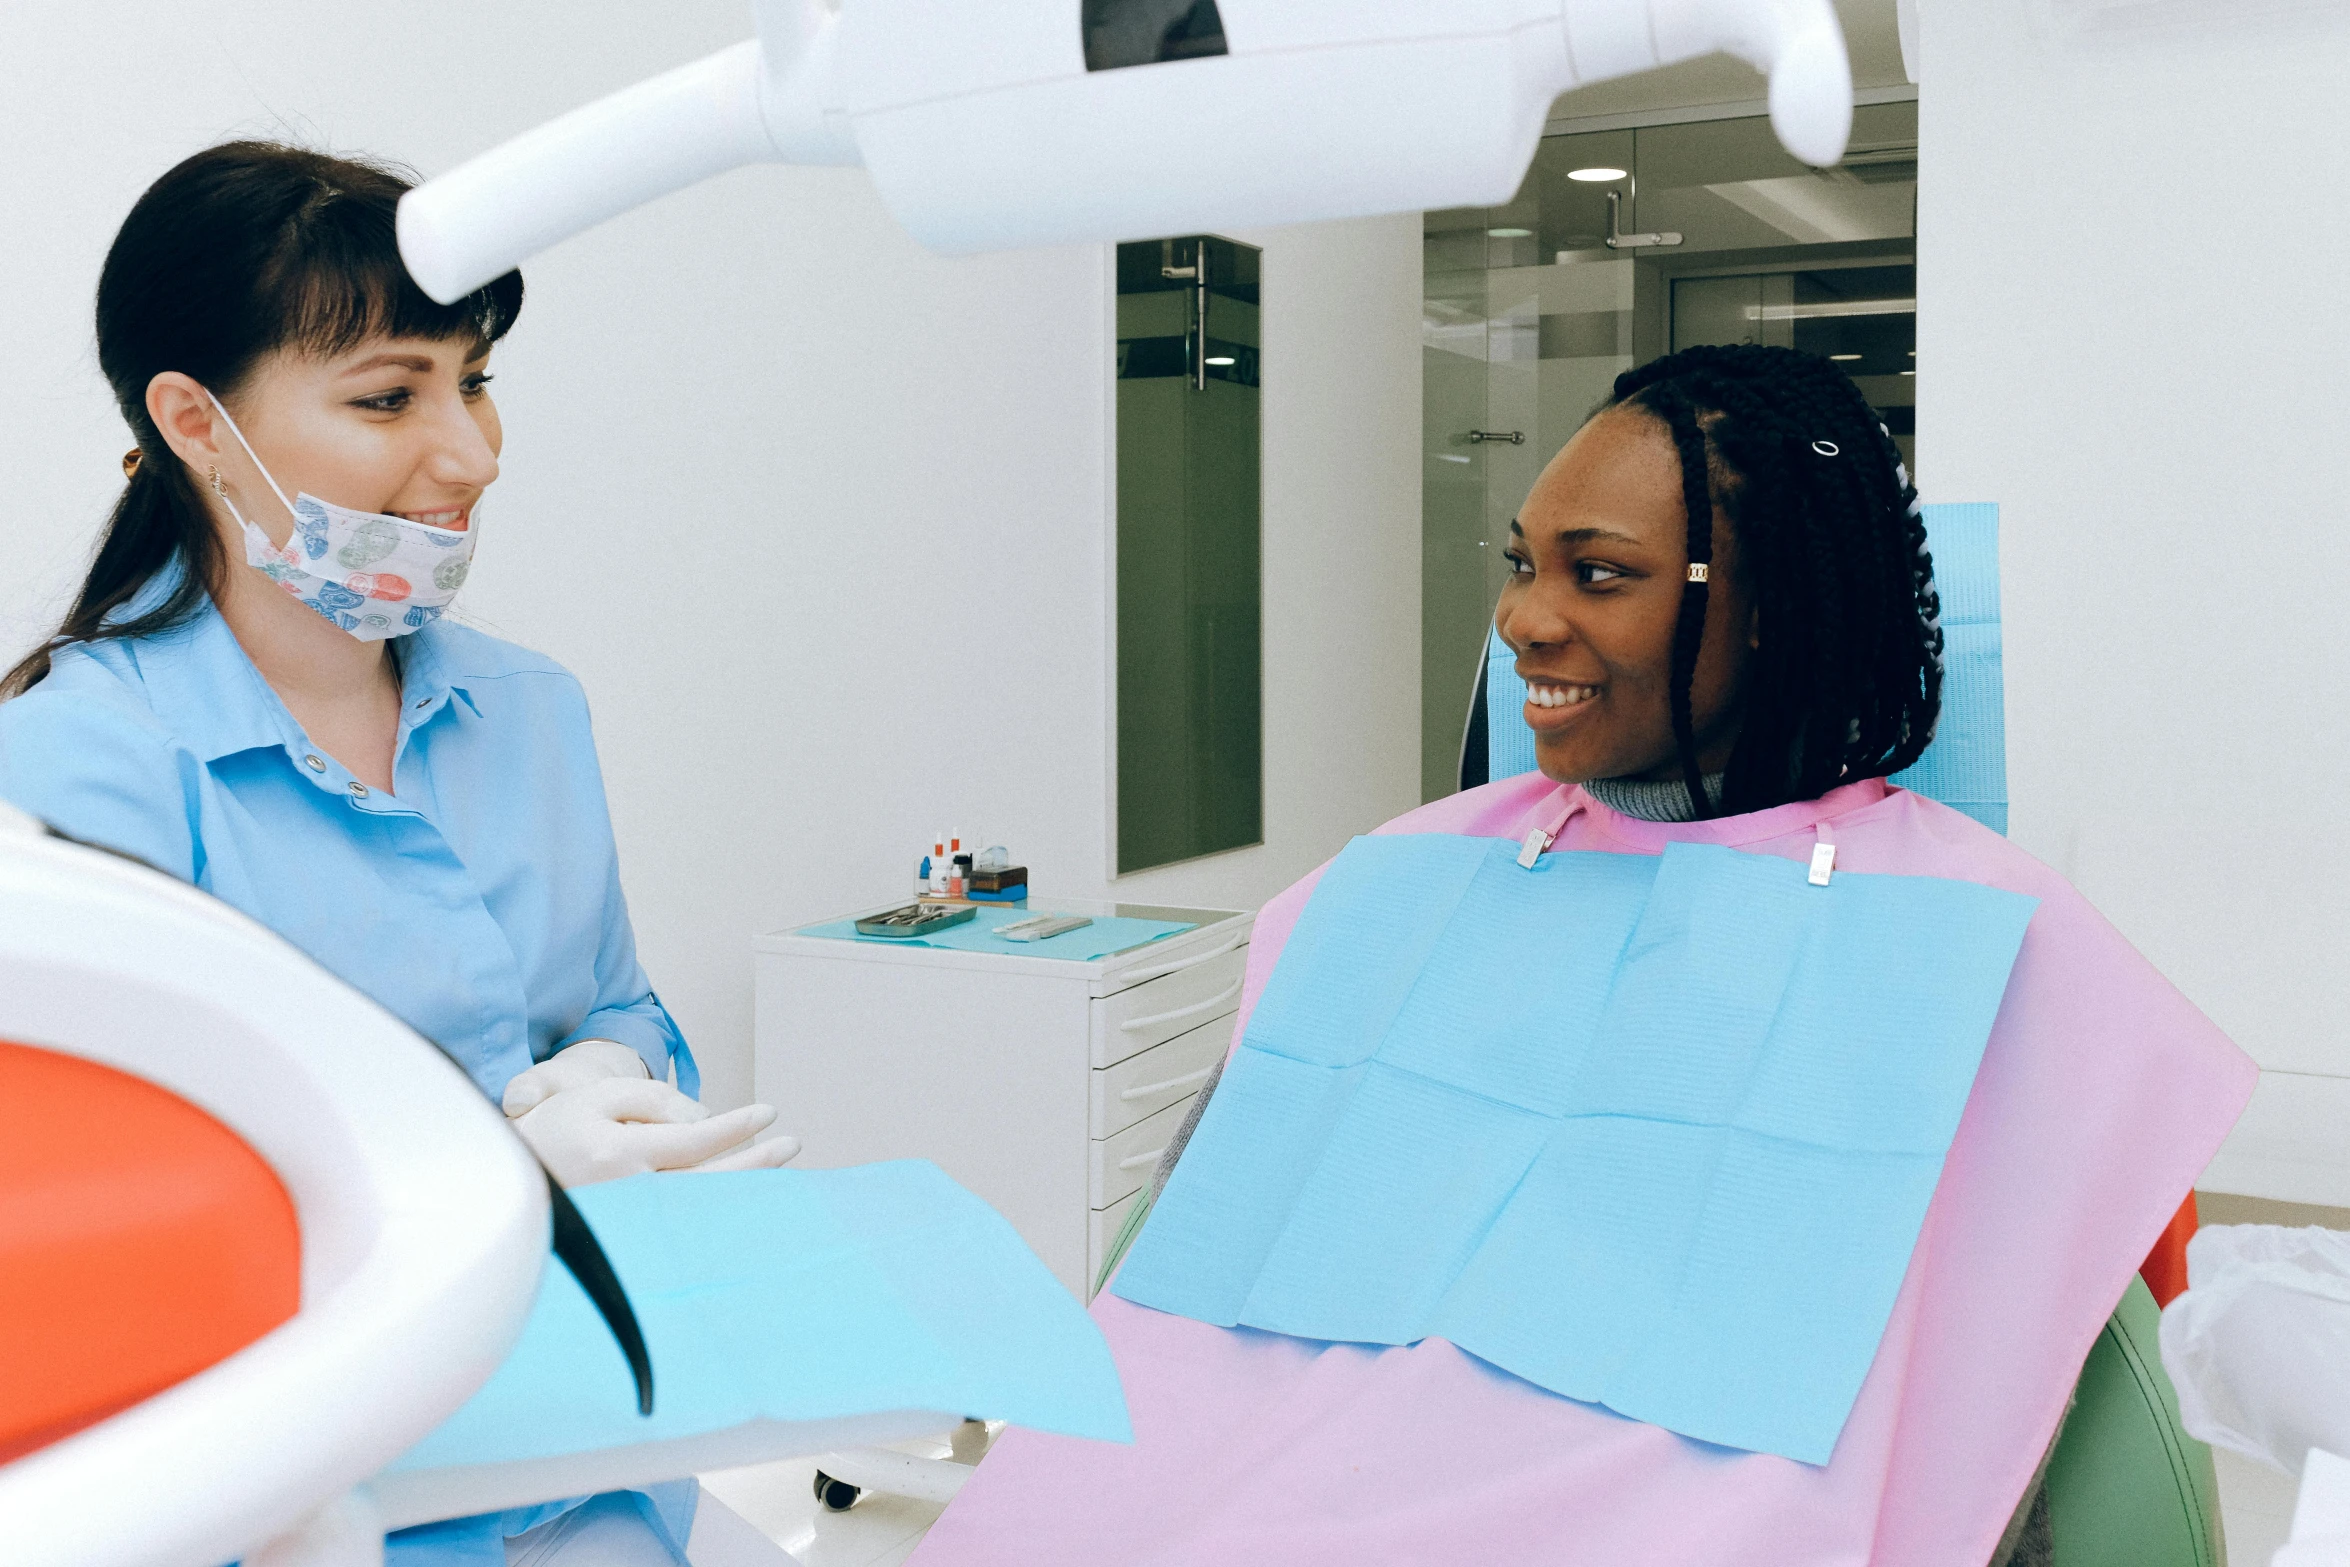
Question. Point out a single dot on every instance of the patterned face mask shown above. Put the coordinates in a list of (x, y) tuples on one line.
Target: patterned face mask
[(373, 574)]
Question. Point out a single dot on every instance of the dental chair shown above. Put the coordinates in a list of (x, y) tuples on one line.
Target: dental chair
[(2127, 1486), (256, 1237), (259, 1242)]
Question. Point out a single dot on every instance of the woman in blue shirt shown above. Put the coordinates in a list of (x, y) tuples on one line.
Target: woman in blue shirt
[(257, 690)]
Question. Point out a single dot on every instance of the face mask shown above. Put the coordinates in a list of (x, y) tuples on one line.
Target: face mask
[(373, 574)]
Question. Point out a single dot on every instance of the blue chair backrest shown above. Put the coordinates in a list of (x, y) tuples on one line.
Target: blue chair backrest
[(1966, 766)]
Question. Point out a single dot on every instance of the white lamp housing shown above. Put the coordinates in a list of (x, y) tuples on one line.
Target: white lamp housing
[(1017, 122)]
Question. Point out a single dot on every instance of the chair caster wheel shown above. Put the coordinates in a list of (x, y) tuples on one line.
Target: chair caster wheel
[(837, 1496)]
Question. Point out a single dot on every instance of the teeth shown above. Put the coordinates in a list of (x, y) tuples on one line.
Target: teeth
[(1560, 696)]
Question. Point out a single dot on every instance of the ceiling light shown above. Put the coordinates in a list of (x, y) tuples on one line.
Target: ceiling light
[(1219, 359), (1844, 359), (1595, 176), (1909, 372), (1913, 353), (1828, 309), (1510, 233)]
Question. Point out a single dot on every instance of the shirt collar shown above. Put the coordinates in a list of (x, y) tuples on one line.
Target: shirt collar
[(199, 680), (429, 673), (206, 688)]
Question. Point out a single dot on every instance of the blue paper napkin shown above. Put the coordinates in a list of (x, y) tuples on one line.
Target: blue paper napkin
[(1657, 1133)]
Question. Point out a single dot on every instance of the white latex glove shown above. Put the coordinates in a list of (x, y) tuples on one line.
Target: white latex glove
[(569, 1067), (608, 1127)]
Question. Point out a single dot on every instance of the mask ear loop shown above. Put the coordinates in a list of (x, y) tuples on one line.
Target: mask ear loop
[(267, 477)]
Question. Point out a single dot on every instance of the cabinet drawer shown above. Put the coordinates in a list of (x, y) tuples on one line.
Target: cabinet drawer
[(1101, 1228), (1144, 1085), (1122, 1163), (1155, 1011)]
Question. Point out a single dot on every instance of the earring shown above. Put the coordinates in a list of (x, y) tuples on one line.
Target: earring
[(217, 488)]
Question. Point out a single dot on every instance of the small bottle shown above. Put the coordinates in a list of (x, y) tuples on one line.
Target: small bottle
[(958, 865), (938, 869), (922, 879)]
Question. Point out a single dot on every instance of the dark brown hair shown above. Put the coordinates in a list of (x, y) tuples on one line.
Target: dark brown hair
[(241, 250)]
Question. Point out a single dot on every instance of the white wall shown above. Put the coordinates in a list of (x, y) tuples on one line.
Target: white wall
[(821, 520), (2132, 335)]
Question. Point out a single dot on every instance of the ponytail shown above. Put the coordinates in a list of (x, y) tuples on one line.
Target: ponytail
[(158, 517)]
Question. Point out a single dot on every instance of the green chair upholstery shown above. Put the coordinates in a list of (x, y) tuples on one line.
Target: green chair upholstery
[(2127, 1486)]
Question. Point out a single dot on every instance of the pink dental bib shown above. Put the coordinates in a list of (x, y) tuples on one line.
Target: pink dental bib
[(2102, 1094)]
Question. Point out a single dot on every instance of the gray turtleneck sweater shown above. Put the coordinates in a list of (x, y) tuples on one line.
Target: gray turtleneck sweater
[(1651, 800)]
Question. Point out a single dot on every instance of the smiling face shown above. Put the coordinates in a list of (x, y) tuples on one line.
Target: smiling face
[(398, 425), (1599, 555)]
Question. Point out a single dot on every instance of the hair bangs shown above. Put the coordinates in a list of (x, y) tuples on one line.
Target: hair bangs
[(336, 280)]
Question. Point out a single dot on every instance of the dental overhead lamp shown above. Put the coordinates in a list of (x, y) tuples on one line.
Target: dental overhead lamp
[(1037, 122)]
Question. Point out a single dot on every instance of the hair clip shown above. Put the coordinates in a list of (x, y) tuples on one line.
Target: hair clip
[(1697, 571), (130, 462), (1827, 448)]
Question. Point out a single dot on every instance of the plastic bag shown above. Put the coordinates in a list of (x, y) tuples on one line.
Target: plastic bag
[(2259, 1345)]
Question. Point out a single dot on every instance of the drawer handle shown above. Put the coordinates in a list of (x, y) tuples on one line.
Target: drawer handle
[(1152, 1090), (1137, 1024), (1180, 964), (1141, 1159)]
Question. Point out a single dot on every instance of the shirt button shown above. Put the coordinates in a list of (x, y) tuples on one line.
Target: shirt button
[(314, 764), (358, 790)]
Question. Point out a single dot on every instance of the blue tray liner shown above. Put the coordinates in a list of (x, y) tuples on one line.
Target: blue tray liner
[(977, 934), (792, 1295)]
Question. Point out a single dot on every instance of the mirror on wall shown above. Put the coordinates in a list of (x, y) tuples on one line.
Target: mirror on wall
[(1190, 762)]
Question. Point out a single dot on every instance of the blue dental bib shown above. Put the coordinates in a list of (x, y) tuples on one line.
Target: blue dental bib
[(1654, 1133)]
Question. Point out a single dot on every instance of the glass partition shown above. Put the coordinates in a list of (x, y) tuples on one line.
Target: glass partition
[(1190, 738)]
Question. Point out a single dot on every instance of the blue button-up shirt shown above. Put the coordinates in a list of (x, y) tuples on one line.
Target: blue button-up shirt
[(480, 901)]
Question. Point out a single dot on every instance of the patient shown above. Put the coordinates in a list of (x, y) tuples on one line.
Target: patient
[(1724, 610)]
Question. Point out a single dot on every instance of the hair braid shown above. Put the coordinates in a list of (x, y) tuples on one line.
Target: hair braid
[(1697, 500), (1847, 682)]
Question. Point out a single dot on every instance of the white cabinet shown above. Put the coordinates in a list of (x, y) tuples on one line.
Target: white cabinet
[(1047, 1087)]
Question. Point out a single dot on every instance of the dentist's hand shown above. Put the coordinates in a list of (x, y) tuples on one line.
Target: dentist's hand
[(569, 1067), (608, 1127)]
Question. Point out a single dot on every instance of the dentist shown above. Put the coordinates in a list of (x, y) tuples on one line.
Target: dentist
[(258, 689)]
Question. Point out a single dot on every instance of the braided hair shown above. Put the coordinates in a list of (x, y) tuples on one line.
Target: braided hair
[(1847, 681)]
